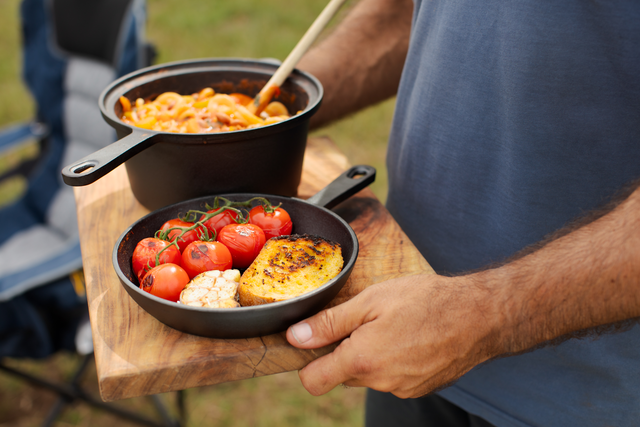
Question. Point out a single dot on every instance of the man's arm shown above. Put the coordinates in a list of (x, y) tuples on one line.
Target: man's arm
[(413, 335), (586, 279), (360, 62)]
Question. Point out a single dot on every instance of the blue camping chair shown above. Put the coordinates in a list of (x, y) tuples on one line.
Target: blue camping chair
[(72, 50)]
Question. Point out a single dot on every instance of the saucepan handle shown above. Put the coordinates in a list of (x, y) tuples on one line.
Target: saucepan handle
[(346, 185), (94, 166)]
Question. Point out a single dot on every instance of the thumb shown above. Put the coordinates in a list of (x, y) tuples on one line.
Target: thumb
[(326, 327)]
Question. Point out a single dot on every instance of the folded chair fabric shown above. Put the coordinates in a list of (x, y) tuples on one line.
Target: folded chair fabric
[(72, 50)]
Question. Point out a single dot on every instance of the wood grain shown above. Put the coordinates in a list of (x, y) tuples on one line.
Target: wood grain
[(137, 355)]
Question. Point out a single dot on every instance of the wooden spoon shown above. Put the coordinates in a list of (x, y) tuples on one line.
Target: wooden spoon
[(269, 90)]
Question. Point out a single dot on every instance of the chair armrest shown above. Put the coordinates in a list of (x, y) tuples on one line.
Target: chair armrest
[(13, 159), (15, 135)]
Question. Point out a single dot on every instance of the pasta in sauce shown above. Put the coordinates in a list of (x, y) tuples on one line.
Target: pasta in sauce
[(201, 112)]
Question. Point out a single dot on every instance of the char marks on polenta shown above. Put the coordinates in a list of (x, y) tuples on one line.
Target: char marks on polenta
[(289, 266)]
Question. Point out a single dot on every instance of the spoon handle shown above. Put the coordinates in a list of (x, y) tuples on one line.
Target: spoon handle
[(281, 74)]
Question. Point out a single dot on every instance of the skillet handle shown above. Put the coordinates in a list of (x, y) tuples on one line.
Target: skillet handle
[(96, 165), (346, 185)]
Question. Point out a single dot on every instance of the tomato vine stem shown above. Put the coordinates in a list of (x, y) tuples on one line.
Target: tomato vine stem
[(214, 210)]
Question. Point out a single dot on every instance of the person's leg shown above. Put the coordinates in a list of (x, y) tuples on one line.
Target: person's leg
[(385, 409)]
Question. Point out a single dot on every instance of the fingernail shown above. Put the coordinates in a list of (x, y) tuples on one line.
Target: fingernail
[(301, 332)]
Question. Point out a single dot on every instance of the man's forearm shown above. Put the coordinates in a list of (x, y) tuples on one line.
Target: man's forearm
[(583, 280), (416, 334), (360, 62)]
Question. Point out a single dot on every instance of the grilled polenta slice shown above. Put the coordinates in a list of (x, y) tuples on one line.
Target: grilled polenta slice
[(288, 266)]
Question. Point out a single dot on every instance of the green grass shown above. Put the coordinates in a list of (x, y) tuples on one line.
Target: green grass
[(273, 401), (15, 102), (186, 30)]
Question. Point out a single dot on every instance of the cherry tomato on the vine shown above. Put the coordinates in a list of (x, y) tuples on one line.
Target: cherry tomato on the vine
[(188, 237), (165, 281), (200, 256), (144, 255), (244, 242), (216, 222), (276, 223)]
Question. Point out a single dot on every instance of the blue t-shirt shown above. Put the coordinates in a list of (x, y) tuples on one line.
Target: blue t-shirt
[(513, 118)]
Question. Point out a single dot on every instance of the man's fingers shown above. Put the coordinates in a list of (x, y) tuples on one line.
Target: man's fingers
[(329, 326), (324, 374), (326, 327)]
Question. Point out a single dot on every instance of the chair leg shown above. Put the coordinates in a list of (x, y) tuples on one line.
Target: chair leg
[(164, 414), (55, 412), (68, 393), (63, 401), (182, 407)]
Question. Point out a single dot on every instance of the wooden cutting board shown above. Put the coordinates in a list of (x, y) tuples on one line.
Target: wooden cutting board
[(137, 355)]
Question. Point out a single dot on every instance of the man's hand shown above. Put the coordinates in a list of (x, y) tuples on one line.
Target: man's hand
[(412, 335), (407, 336)]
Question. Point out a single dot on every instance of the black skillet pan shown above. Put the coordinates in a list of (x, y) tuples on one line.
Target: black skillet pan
[(309, 217)]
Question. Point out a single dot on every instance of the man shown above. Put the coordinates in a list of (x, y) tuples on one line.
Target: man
[(513, 118)]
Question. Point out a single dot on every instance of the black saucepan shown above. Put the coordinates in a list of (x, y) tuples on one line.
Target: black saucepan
[(309, 217), (166, 168)]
